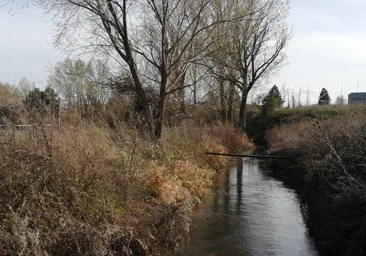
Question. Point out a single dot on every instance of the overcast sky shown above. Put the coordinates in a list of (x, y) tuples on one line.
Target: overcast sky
[(328, 44)]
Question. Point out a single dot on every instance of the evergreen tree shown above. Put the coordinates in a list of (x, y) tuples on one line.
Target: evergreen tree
[(324, 98), (39, 102), (272, 101)]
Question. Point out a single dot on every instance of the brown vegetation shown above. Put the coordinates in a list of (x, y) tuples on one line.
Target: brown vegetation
[(85, 189), (333, 171)]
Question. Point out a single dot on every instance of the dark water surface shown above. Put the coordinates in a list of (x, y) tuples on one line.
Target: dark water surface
[(250, 213)]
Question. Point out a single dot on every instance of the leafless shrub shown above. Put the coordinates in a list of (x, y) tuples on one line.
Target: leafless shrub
[(87, 189)]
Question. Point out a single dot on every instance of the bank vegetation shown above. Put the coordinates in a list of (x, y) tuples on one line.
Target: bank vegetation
[(87, 189), (329, 172)]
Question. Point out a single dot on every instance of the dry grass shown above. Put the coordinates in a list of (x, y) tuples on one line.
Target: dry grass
[(182, 168), (334, 144), (294, 135), (89, 190), (334, 157), (230, 138)]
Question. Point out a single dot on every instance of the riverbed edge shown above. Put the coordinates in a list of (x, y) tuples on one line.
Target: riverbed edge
[(326, 216)]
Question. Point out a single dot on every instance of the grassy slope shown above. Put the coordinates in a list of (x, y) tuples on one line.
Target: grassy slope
[(88, 190), (330, 172), (258, 125)]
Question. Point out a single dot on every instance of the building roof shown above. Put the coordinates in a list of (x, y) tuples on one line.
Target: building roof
[(358, 94)]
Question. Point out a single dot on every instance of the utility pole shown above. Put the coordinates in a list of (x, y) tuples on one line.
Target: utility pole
[(299, 98), (342, 87)]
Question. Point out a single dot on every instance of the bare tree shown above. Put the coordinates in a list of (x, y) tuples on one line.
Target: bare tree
[(25, 86), (82, 85), (299, 104), (157, 40), (222, 46), (95, 26), (161, 39), (171, 30), (259, 43), (251, 49), (293, 99), (340, 100)]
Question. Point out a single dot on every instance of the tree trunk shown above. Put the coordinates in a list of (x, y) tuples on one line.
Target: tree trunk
[(222, 100), (181, 82), (230, 107), (142, 105), (159, 118), (243, 111), (194, 86)]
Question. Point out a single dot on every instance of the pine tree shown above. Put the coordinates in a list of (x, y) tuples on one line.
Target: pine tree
[(324, 98), (272, 101)]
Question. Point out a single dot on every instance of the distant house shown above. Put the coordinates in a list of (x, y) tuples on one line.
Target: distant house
[(357, 98)]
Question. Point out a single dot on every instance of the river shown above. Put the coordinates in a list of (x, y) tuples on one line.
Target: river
[(250, 213)]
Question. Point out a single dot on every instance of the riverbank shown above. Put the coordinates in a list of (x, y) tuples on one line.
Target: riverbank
[(328, 170), (259, 124), (86, 189)]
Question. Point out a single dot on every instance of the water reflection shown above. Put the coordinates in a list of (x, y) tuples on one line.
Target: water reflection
[(251, 213), (239, 185)]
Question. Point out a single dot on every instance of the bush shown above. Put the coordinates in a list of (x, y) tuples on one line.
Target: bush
[(334, 156), (86, 189)]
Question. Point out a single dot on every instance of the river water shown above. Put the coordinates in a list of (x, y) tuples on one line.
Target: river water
[(250, 213)]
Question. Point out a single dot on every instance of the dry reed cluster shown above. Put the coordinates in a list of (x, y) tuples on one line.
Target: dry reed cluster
[(86, 189), (334, 177)]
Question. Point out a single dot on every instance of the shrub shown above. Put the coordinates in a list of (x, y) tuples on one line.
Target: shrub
[(334, 156), (86, 189)]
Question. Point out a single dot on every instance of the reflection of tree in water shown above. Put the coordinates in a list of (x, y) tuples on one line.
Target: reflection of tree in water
[(222, 196), (264, 165), (239, 185), (216, 204), (252, 214)]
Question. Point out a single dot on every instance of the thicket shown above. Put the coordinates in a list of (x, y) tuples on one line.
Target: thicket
[(87, 189), (259, 124), (332, 169)]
